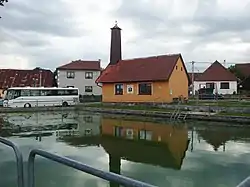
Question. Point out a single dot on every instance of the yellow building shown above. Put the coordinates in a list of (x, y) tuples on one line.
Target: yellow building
[(152, 79)]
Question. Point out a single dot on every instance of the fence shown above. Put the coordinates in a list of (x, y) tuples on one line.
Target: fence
[(109, 176), (19, 159)]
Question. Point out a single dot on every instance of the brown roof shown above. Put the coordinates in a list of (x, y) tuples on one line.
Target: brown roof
[(196, 76), (81, 65), (217, 72), (140, 69), (244, 69), (21, 78)]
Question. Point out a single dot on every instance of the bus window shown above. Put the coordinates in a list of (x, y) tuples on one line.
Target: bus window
[(44, 92), (25, 92), (34, 93), (73, 92), (61, 92)]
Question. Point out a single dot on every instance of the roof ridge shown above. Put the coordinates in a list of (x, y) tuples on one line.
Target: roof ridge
[(155, 56)]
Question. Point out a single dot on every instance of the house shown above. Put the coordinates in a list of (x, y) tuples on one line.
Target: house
[(80, 74), (218, 78), (21, 78), (151, 79), (244, 69)]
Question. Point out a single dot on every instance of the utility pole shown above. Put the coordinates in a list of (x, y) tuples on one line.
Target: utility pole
[(192, 77), (40, 83)]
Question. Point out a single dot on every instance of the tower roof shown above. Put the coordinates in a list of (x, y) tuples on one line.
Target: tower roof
[(116, 26)]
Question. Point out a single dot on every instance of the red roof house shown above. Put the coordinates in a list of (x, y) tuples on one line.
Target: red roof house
[(22, 78), (80, 74), (151, 79), (218, 77)]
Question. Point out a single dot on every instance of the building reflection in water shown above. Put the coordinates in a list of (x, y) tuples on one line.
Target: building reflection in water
[(150, 143)]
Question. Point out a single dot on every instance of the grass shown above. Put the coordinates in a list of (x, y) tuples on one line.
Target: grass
[(233, 114), (221, 103), (135, 107)]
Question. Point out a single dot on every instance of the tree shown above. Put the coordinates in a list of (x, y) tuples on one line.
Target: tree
[(2, 3), (233, 69)]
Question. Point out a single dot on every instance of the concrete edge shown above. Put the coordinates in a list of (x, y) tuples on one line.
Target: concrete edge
[(36, 109), (217, 118)]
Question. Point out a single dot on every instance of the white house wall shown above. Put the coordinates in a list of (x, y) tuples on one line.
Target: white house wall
[(79, 81), (231, 90)]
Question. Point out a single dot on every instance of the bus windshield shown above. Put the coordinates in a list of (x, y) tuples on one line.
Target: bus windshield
[(13, 94)]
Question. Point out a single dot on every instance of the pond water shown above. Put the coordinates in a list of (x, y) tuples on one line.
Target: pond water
[(161, 153)]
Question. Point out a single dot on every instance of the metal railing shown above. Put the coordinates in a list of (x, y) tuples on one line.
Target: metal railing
[(245, 183), (19, 159), (109, 176)]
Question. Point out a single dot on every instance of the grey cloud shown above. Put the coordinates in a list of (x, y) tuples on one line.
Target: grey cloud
[(48, 17), (27, 39), (152, 24)]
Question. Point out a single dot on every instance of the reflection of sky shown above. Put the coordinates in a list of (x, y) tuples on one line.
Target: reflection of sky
[(52, 174), (201, 167)]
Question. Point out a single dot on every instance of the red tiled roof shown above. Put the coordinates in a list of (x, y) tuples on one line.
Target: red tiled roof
[(196, 76), (244, 69), (21, 78), (140, 69), (81, 65), (217, 72)]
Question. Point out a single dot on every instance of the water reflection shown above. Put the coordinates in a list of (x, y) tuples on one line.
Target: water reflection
[(171, 154)]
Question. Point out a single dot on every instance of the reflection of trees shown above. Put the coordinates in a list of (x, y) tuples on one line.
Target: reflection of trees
[(218, 136)]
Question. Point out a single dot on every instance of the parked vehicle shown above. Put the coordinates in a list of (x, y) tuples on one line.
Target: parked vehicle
[(40, 96), (210, 97)]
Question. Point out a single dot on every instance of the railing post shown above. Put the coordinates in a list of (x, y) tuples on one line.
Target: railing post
[(19, 159)]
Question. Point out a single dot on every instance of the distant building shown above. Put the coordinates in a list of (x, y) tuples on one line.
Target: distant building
[(245, 71), (80, 74), (152, 79), (22, 78), (218, 78)]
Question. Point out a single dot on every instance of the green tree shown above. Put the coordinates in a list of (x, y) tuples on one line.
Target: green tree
[(2, 3), (233, 69)]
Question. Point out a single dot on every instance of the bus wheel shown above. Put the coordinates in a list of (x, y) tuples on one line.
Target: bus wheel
[(27, 105), (65, 104)]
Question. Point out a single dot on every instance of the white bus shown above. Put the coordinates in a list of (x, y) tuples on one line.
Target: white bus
[(40, 96)]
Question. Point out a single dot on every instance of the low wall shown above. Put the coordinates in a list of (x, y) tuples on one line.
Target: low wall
[(199, 108), (35, 109), (204, 117)]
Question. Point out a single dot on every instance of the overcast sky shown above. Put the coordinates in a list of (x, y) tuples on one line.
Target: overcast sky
[(51, 33)]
